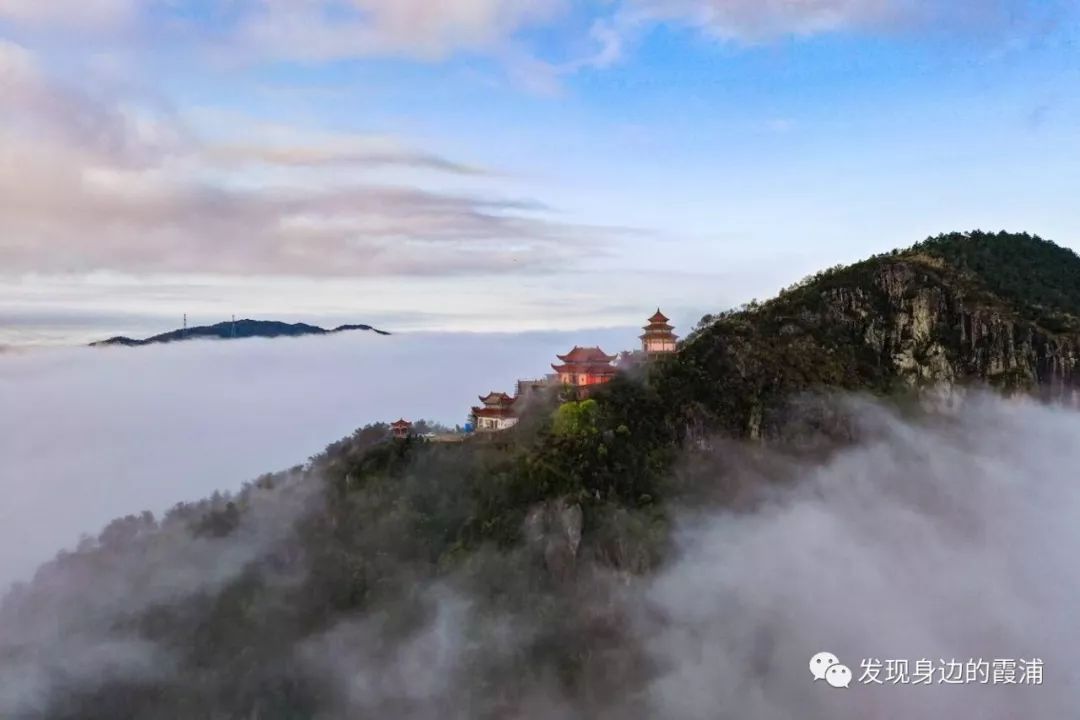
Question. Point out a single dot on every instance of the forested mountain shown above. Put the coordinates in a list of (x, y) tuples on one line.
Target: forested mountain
[(236, 330), (493, 579), (998, 309)]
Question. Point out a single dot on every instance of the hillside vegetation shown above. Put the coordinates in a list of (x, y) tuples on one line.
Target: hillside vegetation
[(247, 606), (1035, 275), (994, 309)]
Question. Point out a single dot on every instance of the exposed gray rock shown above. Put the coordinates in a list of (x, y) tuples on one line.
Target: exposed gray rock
[(554, 529), (930, 333)]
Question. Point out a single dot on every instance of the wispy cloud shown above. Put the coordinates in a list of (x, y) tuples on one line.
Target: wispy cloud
[(590, 38), (328, 30), (96, 182), (322, 156), (761, 20), (79, 14), (333, 29), (283, 145), (756, 19)]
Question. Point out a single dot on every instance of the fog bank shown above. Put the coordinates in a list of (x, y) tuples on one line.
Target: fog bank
[(948, 537), (87, 435)]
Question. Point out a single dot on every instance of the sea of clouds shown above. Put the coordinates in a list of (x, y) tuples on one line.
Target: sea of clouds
[(90, 434)]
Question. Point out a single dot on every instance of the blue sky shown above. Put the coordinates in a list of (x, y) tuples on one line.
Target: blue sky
[(507, 164)]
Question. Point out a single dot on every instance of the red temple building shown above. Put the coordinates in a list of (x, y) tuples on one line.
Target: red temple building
[(496, 413), (401, 429), (584, 368), (658, 338)]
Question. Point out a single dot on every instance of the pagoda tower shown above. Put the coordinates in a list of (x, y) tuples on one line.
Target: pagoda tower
[(496, 413), (658, 338), (584, 368)]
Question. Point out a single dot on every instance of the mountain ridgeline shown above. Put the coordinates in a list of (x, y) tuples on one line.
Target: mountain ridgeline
[(996, 309), (236, 330), (495, 578)]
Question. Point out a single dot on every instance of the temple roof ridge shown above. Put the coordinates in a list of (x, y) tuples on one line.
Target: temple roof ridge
[(495, 396), (586, 355)]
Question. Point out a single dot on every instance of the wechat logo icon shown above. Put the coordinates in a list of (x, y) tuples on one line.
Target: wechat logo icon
[(826, 666)]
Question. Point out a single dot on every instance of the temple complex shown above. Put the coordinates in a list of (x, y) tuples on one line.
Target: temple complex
[(584, 368), (401, 429), (658, 338), (496, 413)]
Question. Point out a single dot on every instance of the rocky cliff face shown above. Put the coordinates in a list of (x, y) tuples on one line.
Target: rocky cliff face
[(955, 311), (554, 530), (928, 330)]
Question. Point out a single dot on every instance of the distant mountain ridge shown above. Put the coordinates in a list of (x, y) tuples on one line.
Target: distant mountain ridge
[(236, 330)]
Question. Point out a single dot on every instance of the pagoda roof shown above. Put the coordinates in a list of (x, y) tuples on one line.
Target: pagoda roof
[(659, 317), (401, 423), (580, 355), (663, 333), (496, 398)]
